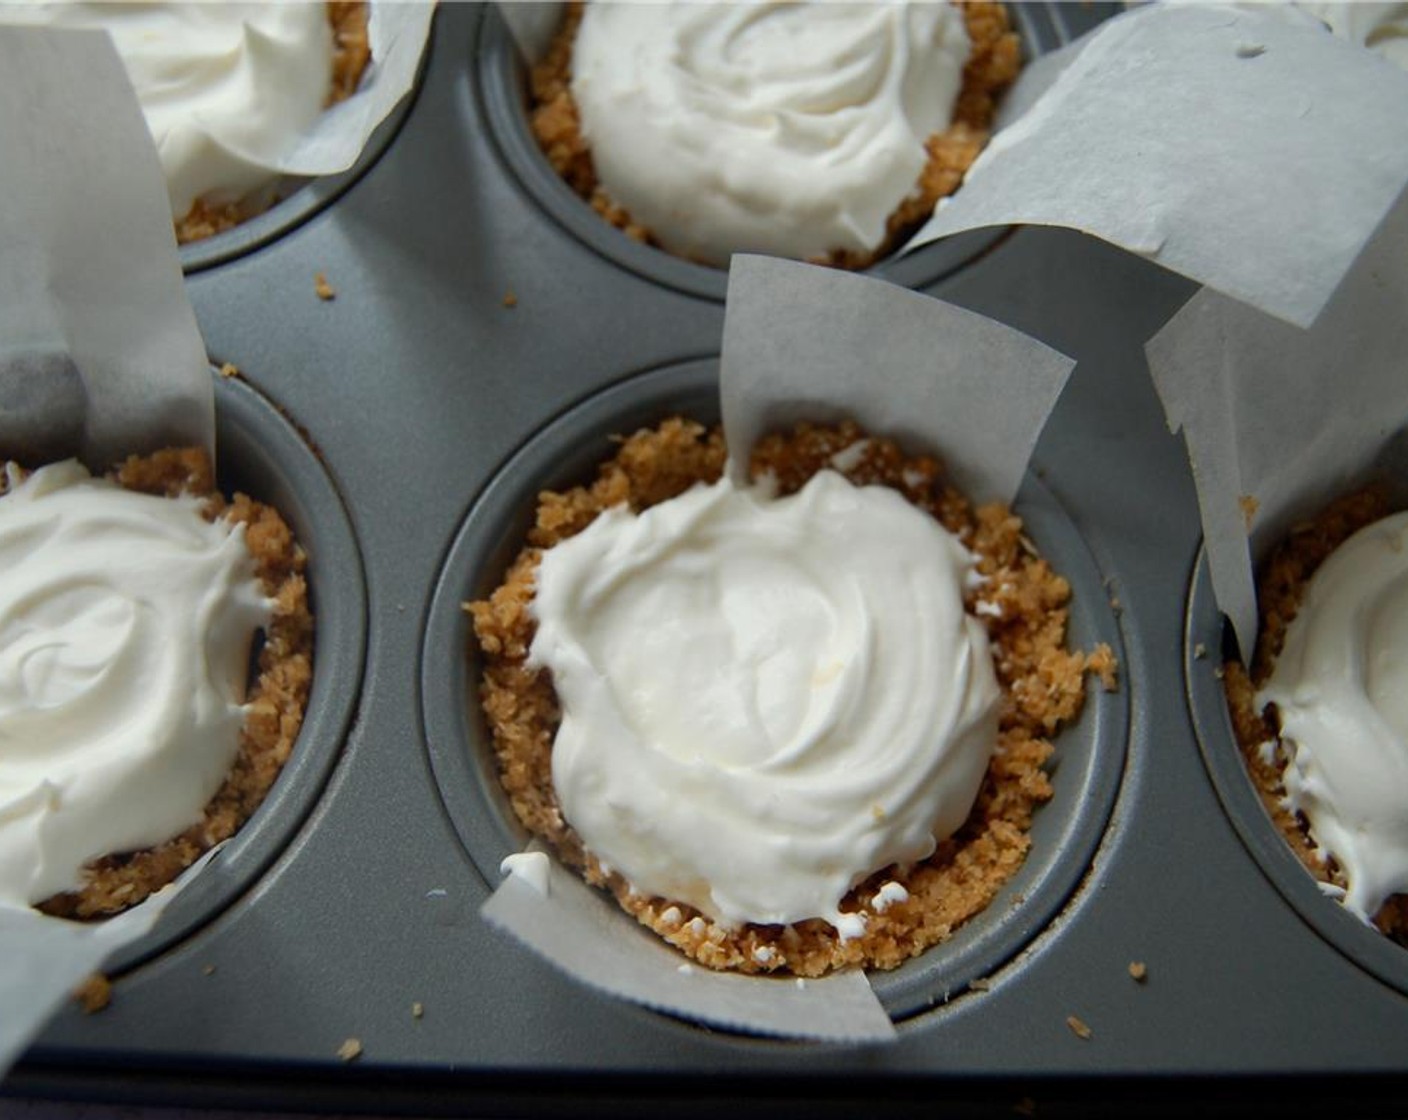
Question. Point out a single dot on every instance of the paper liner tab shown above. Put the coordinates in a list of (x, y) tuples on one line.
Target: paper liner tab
[(802, 342), (97, 337), (531, 24), (583, 933), (43, 959), (1249, 150), (1280, 420), (397, 34)]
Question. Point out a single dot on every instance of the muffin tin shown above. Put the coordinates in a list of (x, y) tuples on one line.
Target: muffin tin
[(565, 453), (482, 338)]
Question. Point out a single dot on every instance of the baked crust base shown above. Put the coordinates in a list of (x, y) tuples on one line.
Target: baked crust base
[(994, 61), (277, 698), (1280, 587), (1043, 686)]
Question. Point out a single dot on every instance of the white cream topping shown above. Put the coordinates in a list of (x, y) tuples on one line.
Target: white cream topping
[(531, 867), (765, 700), (793, 129), (227, 88), (1341, 688), (888, 894), (125, 630)]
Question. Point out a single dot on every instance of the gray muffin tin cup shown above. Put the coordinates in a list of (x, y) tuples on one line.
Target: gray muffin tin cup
[(1088, 762), (1360, 943), (262, 455), (420, 407), (503, 89)]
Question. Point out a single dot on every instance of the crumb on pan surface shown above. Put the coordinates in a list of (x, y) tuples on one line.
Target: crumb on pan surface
[(993, 63), (1281, 584), (94, 994), (276, 699), (1043, 685), (1079, 1028), (350, 54)]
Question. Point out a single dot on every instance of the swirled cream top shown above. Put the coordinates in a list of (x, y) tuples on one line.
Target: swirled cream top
[(1341, 688), (793, 129), (764, 701), (227, 88), (125, 630)]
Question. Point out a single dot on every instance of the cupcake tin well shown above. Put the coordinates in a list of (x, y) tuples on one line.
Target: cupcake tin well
[(482, 340), (261, 454)]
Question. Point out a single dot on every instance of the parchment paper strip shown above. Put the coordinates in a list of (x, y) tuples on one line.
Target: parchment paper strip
[(1288, 418), (1250, 151), (43, 959), (97, 336), (802, 342), (823, 344), (575, 926), (397, 33)]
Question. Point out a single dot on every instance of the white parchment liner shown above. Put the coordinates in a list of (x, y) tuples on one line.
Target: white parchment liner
[(1253, 152), (43, 959), (1289, 418), (532, 24), (97, 338), (100, 356), (802, 342), (1249, 150), (397, 33)]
